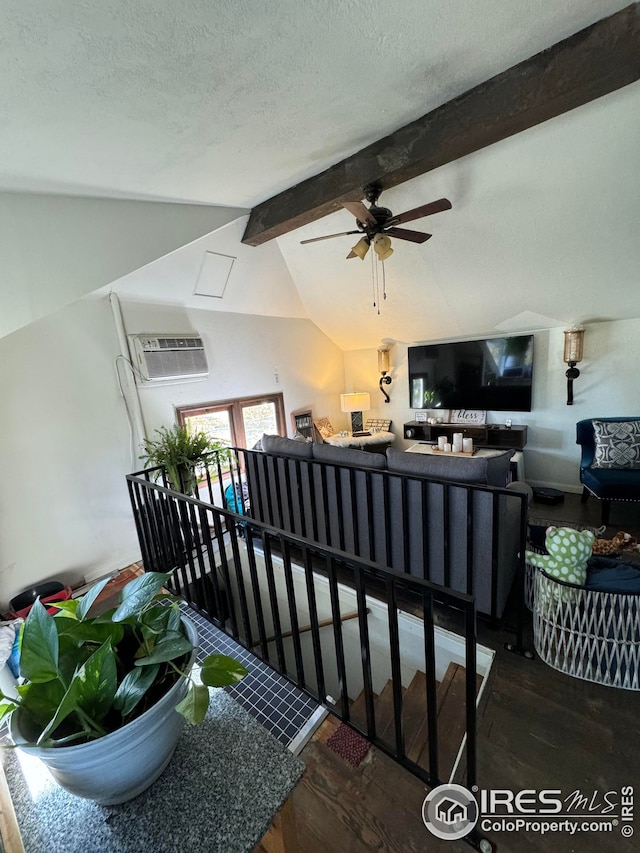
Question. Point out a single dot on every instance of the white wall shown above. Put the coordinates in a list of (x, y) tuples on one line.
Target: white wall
[(607, 387), (64, 505), (243, 351)]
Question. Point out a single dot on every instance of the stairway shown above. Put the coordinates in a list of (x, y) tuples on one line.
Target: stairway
[(451, 717)]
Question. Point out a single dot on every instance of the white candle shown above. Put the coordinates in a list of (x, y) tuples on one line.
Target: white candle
[(457, 438), (447, 447), (467, 445), (442, 440)]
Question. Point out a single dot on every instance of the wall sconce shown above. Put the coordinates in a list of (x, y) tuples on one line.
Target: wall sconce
[(573, 350), (356, 403), (383, 368)]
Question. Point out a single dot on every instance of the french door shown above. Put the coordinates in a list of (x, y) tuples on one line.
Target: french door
[(240, 423)]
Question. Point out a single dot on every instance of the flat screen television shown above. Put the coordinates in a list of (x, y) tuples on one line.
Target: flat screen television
[(492, 375)]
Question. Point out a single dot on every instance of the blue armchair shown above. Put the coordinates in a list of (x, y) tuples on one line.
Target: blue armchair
[(606, 483)]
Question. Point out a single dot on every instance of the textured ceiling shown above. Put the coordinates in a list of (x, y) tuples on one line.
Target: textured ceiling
[(228, 103), (232, 101)]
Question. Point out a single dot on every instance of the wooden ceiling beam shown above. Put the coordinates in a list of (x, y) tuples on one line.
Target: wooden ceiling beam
[(589, 64)]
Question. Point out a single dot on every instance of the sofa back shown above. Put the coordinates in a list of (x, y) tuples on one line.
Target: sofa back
[(417, 513)]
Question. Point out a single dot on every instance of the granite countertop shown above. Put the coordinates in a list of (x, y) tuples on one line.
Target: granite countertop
[(226, 781)]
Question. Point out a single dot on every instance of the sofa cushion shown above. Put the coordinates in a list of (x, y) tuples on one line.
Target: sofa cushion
[(617, 444), (279, 446), (491, 470), (349, 456)]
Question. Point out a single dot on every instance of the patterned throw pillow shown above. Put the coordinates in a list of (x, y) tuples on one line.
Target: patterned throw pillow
[(323, 425), (617, 444)]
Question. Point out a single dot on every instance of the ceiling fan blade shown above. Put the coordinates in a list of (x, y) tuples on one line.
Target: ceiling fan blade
[(405, 234), (424, 210), (360, 212), (329, 237)]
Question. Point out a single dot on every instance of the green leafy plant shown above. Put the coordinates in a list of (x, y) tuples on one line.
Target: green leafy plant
[(88, 676), (179, 451)]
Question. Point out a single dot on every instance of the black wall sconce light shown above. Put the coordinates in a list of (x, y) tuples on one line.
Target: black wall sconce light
[(383, 368), (573, 352)]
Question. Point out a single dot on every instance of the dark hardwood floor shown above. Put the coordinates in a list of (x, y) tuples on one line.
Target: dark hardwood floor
[(537, 729)]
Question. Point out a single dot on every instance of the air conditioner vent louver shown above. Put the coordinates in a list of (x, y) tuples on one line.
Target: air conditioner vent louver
[(169, 357)]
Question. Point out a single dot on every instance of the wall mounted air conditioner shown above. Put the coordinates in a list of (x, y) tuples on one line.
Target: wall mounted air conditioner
[(166, 357)]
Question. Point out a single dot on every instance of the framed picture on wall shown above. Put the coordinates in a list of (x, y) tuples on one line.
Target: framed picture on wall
[(302, 422)]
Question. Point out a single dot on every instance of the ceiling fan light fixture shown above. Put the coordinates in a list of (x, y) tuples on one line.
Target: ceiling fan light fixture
[(361, 248), (382, 246)]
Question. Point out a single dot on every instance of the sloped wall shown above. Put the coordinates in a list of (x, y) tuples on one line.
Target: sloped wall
[(54, 248), (66, 441)]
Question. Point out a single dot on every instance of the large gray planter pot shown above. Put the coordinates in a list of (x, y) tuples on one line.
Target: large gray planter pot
[(119, 766)]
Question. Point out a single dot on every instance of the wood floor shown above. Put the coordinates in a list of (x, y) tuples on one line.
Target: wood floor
[(537, 729)]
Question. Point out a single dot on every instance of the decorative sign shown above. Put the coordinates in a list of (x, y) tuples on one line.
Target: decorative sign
[(421, 417), (468, 416)]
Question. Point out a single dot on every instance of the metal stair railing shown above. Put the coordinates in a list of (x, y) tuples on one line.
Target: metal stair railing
[(246, 585)]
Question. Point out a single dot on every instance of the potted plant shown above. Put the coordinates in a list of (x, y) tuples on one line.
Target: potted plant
[(179, 451), (106, 695)]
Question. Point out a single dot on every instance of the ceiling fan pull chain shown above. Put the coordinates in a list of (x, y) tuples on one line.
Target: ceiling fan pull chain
[(384, 281), (373, 278)]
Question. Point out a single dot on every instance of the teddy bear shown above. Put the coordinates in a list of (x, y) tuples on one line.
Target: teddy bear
[(568, 552)]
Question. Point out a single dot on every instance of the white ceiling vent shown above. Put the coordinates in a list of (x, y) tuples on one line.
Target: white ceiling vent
[(166, 357)]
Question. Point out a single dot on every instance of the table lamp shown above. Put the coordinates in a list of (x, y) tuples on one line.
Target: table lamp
[(355, 403)]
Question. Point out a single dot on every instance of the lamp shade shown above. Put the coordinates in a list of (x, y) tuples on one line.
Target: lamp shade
[(382, 246), (359, 401), (383, 359), (573, 344), (361, 248)]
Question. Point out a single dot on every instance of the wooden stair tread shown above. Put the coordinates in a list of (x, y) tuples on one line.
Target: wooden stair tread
[(450, 713), (416, 728), (358, 712), (384, 713), (451, 719)]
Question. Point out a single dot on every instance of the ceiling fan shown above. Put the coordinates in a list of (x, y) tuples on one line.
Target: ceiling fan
[(378, 224)]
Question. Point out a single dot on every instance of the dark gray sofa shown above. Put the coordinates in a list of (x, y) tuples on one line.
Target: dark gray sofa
[(455, 522)]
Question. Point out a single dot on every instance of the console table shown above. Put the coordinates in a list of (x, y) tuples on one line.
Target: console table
[(487, 435)]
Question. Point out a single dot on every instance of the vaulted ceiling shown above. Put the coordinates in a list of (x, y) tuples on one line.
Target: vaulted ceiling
[(232, 103)]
